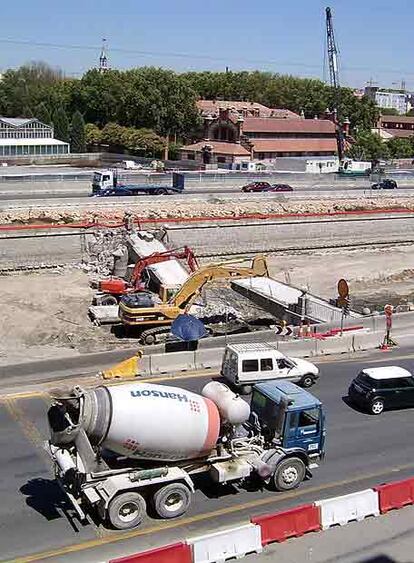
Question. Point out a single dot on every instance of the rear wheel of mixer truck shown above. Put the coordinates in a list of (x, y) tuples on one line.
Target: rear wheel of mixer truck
[(172, 500), (126, 510)]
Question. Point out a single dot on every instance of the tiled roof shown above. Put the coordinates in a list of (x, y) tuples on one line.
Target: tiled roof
[(284, 114), (401, 133), (294, 145), (260, 125), (219, 147), (396, 119), (214, 105)]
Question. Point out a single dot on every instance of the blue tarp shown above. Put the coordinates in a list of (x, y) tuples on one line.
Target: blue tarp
[(187, 328)]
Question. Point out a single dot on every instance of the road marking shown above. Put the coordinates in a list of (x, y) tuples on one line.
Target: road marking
[(116, 537)]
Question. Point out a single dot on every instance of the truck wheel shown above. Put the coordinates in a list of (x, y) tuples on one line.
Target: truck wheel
[(108, 300), (307, 380), (161, 191), (376, 407), (172, 500), (289, 474), (126, 510)]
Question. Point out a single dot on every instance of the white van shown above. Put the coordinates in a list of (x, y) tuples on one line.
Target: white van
[(254, 362)]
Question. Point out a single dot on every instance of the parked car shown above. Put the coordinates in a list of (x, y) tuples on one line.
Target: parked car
[(244, 365), (385, 185), (256, 187), (376, 389)]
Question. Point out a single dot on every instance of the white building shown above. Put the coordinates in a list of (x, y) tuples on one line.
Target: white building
[(28, 137), (390, 99)]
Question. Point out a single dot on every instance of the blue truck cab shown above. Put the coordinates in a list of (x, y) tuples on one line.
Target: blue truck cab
[(292, 422)]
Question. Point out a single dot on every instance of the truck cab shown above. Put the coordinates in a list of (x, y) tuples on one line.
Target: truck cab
[(253, 362), (102, 180), (292, 421)]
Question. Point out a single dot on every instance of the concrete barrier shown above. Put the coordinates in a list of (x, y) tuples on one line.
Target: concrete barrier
[(341, 510), (367, 341), (172, 363), (209, 358), (301, 348), (335, 345), (220, 546)]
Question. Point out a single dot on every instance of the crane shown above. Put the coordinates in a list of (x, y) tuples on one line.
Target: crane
[(332, 51)]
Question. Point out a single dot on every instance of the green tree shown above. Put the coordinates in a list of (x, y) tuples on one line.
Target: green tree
[(42, 113), (400, 148), (368, 146), (389, 111), (61, 125), (77, 133), (93, 135)]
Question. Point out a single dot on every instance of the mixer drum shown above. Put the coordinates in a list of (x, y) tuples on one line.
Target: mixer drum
[(153, 422)]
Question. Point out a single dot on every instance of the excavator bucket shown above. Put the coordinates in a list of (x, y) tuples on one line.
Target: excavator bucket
[(127, 369), (259, 266)]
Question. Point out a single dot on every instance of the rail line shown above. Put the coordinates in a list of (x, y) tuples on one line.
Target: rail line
[(18, 268)]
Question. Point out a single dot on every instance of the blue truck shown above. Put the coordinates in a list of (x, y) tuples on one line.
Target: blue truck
[(105, 183)]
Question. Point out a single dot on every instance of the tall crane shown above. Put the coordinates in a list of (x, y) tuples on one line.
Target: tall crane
[(332, 52)]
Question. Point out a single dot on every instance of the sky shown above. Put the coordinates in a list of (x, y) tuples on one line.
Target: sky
[(273, 35)]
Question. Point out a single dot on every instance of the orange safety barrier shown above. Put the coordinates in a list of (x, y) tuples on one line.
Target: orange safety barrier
[(289, 523), (174, 553), (395, 495)]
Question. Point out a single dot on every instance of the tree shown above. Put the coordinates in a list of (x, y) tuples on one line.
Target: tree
[(42, 113), (61, 125), (389, 111), (400, 148), (368, 146), (77, 133), (93, 135)]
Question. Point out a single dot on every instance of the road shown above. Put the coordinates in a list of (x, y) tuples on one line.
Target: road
[(362, 451), (64, 246)]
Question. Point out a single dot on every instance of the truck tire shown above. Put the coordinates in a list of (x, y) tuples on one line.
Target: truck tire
[(107, 300), (126, 510), (172, 500), (289, 474), (307, 380), (161, 191)]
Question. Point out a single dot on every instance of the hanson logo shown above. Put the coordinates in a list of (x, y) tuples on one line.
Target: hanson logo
[(163, 394)]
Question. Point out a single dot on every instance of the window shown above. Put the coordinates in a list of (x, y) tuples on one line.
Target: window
[(190, 156), (309, 417), (403, 382), (266, 364), (250, 365), (221, 159)]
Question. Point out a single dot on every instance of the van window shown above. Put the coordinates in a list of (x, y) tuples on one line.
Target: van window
[(105, 178), (250, 365), (266, 364)]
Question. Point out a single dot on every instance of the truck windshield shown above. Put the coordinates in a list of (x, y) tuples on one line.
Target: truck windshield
[(268, 412), (97, 177)]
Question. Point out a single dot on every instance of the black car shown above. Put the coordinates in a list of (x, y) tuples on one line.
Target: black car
[(376, 389), (385, 185)]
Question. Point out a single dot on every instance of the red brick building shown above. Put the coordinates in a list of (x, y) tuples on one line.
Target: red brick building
[(395, 126), (236, 131)]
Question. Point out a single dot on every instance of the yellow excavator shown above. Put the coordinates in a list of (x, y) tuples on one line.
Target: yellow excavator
[(139, 309)]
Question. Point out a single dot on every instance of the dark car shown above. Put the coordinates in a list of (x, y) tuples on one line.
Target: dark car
[(376, 389), (256, 187), (385, 185), (280, 188)]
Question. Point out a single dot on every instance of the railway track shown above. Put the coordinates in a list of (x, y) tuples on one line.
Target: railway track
[(39, 266)]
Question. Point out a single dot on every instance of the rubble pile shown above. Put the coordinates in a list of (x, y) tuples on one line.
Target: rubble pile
[(105, 252), (211, 208)]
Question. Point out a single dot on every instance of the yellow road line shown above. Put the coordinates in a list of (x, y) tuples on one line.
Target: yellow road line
[(117, 537), (28, 428)]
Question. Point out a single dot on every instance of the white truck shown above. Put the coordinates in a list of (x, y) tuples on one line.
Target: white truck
[(117, 449), (246, 364)]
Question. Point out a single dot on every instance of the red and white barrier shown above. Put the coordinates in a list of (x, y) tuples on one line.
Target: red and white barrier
[(262, 530)]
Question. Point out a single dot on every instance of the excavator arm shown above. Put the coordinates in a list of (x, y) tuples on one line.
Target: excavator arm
[(186, 295)]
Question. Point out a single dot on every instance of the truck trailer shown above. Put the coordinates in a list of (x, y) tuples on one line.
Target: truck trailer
[(118, 449), (105, 183)]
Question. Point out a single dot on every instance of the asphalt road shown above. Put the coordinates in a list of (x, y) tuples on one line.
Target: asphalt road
[(362, 451)]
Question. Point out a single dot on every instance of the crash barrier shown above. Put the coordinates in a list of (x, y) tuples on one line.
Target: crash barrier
[(367, 341), (344, 509), (395, 495), (177, 361), (262, 530), (334, 345), (219, 546), (303, 348), (290, 523), (174, 553), (209, 358)]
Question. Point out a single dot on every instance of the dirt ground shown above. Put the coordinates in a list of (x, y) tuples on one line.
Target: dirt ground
[(46, 314)]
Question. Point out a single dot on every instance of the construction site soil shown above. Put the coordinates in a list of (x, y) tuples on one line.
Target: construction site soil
[(45, 314)]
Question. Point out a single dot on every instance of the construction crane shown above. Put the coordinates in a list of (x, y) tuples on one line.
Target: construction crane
[(111, 289), (332, 51)]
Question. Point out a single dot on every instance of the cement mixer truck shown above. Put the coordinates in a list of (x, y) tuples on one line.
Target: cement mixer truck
[(119, 449)]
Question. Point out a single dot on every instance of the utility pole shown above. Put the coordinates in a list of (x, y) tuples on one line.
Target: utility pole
[(332, 51)]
